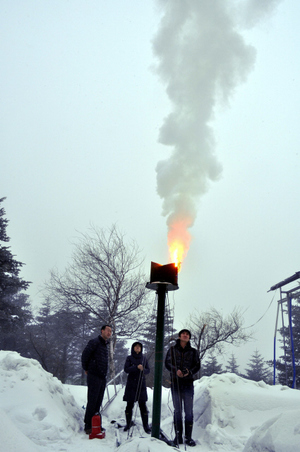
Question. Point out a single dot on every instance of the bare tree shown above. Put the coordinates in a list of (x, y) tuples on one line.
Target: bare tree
[(105, 280), (211, 331)]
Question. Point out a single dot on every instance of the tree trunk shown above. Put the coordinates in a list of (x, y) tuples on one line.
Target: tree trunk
[(112, 369)]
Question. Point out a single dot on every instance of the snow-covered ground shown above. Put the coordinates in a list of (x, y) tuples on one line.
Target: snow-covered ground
[(38, 413)]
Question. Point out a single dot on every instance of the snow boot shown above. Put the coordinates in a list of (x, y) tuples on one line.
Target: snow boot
[(144, 417), (188, 434), (178, 433), (128, 421)]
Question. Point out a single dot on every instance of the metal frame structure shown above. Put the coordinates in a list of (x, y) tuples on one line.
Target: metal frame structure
[(286, 296), (112, 384)]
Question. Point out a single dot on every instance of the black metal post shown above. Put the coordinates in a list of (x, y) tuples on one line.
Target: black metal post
[(162, 279), (159, 355)]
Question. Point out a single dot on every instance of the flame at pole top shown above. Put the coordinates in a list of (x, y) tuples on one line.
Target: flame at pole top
[(178, 242)]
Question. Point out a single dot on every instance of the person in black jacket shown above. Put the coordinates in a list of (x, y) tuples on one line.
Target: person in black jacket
[(136, 365), (95, 363), (183, 362)]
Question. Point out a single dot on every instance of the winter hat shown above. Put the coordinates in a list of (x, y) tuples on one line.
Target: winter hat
[(185, 331)]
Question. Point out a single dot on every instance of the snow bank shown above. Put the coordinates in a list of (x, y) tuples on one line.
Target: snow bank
[(280, 433), (39, 413), (230, 409), (13, 440), (37, 404)]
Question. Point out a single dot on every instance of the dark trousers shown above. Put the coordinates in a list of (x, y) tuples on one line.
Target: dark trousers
[(183, 397), (96, 388), (142, 405)]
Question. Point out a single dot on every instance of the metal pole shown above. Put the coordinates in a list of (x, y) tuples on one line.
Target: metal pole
[(159, 352), (284, 341), (292, 340), (275, 332)]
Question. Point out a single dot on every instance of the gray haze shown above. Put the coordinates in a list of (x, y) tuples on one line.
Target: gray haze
[(100, 104)]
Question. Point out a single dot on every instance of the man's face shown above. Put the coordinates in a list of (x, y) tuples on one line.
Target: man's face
[(184, 337), (106, 333)]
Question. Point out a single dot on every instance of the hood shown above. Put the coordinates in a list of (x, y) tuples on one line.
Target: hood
[(134, 344)]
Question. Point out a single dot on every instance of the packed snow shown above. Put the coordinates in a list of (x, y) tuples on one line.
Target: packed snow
[(39, 413)]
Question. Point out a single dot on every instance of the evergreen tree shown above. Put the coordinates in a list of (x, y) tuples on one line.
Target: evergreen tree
[(57, 338), (211, 366), (257, 369), (232, 365), (15, 337), (57, 343), (14, 306), (284, 365)]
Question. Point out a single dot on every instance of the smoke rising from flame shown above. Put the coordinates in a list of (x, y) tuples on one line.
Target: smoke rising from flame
[(202, 57)]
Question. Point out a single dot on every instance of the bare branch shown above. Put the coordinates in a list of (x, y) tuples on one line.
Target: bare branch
[(105, 280), (211, 331)]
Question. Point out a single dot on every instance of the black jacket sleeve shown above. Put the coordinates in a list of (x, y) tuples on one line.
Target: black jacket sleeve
[(146, 367), (129, 366), (95, 357), (87, 354), (170, 360), (195, 365)]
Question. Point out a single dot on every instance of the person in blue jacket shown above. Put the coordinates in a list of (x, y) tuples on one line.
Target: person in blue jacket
[(136, 366)]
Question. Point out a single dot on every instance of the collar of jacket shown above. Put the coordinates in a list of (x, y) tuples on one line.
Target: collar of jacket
[(137, 355), (102, 340), (188, 345)]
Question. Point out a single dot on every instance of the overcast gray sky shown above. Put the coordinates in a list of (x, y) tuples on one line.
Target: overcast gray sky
[(85, 104)]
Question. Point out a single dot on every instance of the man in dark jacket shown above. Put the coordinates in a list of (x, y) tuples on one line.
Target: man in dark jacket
[(183, 362), (95, 363), (136, 366)]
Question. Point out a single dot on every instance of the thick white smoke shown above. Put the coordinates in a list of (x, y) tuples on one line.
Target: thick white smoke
[(202, 57)]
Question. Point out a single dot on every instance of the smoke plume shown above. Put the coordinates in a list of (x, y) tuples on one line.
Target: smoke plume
[(201, 58)]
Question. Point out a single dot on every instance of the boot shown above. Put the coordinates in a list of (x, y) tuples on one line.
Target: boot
[(178, 433), (144, 417), (128, 421), (188, 427)]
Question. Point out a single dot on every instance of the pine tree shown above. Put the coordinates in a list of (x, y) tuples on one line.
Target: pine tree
[(232, 365), (211, 366), (257, 369), (14, 307), (57, 338), (14, 336)]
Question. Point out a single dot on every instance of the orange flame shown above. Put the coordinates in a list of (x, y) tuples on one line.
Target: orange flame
[(179, 242), (176, 251)]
